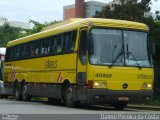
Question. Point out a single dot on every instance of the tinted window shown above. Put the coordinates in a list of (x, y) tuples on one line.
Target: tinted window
[(53, 44), (83, 46), (45, 46), (70, 39), (59, 43), (8, 54), (136, 48), (107, 47)]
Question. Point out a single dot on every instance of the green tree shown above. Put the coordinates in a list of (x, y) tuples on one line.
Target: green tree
[(157, 18), (8, 33), (134, 10), (37, 27)]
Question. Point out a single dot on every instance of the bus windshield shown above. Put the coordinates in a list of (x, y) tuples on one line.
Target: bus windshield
[(119, 47)]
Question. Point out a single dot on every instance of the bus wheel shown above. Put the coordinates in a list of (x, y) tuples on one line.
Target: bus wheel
[(120, 105), (68, 98), (25, 97), (17, 92)]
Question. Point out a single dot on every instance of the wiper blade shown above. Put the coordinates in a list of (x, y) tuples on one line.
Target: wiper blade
[(130, 53), (120, 54), (138, 65)]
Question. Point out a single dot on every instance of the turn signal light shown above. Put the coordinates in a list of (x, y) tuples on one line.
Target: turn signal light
[(90, 84)]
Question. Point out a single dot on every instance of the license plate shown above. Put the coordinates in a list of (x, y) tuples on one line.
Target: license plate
[(123, 98)]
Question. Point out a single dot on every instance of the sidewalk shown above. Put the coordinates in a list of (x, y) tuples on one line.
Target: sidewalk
[(144, 107)]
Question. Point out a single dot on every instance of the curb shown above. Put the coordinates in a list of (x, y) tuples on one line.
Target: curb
[(144, 107)]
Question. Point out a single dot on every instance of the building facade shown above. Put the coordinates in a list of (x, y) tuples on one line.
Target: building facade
[(89, 9), (3, 21), (23, 25)]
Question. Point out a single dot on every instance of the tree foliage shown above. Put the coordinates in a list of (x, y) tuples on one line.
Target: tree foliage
[(8, 33), (37, 27), (134, 10)]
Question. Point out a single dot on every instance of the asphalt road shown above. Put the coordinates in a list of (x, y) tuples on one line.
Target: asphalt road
[(10, 109), (43, 107)]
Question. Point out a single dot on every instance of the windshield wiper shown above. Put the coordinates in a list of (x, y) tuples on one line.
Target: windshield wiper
[(138, 65), (118, 55), (130, 53), (121, 53)]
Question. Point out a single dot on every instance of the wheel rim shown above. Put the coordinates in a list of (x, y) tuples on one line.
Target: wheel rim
[(17, 92), (24, 92), (69, 94)]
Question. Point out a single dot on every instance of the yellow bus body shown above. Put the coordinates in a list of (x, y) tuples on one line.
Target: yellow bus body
[(55, 69)]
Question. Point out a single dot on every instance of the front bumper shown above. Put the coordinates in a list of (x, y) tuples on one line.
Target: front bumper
[(111, 96)]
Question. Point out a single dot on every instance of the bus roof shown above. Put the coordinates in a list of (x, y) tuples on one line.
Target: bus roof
[(73, 24)]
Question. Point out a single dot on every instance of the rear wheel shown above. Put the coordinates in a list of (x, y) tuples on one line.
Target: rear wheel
[(25, 96), (68, 97), (17, 92), (120, 105)]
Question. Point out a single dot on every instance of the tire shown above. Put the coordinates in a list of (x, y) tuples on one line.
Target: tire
[(68, 97), (120, 105), (17, 92), (54, 101), (25, 96)]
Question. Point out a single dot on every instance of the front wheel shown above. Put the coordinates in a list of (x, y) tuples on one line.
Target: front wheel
[(68, 98)]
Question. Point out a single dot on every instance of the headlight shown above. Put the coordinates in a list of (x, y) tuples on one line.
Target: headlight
[(100, 84), (96, 84), (147, 85)]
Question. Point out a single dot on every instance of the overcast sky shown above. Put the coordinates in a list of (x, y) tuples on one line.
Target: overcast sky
[(41, 10)]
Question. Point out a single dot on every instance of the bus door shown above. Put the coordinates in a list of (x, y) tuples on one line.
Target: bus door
[(81, 65)]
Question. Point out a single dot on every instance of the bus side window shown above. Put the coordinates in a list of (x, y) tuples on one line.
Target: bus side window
[(27, 49), (59, 44), (45, 46), (82, 47), (36, 48), (16, 52), (73, 38), (53, 45), (69, 43), (8, 54), (32, 49), (22, 51)]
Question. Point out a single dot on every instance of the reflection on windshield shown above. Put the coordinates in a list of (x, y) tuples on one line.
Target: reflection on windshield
[(107, 45), (136, 48), (107, 48)]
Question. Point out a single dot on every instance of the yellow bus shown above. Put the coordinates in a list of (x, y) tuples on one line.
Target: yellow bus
[(92, 60)]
